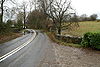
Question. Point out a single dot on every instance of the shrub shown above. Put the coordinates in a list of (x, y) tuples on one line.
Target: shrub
[(91, 39), (5, 27)]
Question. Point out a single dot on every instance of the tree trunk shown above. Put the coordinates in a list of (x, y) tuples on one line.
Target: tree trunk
[(59, 31), (24, 17), (59, 28), (2, 12)]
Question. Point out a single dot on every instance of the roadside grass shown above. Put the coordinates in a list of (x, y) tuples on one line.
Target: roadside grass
[(8, 36), (52, 37), (87, 26)]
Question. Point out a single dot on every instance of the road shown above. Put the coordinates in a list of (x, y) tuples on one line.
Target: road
[(38, 53)]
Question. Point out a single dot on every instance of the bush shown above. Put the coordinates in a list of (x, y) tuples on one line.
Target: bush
[(5, 27), (92, 40)]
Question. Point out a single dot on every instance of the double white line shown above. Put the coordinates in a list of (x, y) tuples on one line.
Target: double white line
[(17, 49)]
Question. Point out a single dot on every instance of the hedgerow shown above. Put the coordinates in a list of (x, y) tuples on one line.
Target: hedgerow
[(91, 39)]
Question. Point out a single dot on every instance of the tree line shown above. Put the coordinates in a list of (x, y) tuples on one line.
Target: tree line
[(84, 17)]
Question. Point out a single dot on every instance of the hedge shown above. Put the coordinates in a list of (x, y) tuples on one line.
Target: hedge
[(91, 39)]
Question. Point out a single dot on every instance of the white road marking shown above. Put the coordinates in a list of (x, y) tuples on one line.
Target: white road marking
[(17, 49)]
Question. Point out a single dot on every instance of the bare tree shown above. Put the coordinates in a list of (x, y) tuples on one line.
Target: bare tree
[(10, 13), (3, 7), (2, 10), (23, 8), (32, 3), (57, 10)]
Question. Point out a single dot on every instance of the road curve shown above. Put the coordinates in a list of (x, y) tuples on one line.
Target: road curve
[(36, 54), (15, 50)]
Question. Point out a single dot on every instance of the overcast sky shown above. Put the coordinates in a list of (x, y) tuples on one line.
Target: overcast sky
[(84, 6), (87, 6)]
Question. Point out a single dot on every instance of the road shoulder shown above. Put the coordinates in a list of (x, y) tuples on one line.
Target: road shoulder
[(77, 57)]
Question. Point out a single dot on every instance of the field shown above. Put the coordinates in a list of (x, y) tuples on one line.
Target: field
[(88, 26)]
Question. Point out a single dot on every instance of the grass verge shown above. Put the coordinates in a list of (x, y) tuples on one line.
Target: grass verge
[(9, 36), (52, 37)]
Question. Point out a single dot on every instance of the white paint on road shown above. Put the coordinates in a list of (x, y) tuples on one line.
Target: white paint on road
[(17, 49)]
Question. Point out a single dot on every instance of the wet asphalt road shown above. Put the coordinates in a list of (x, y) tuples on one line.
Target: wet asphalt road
[(8, 46), (31, 55)]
